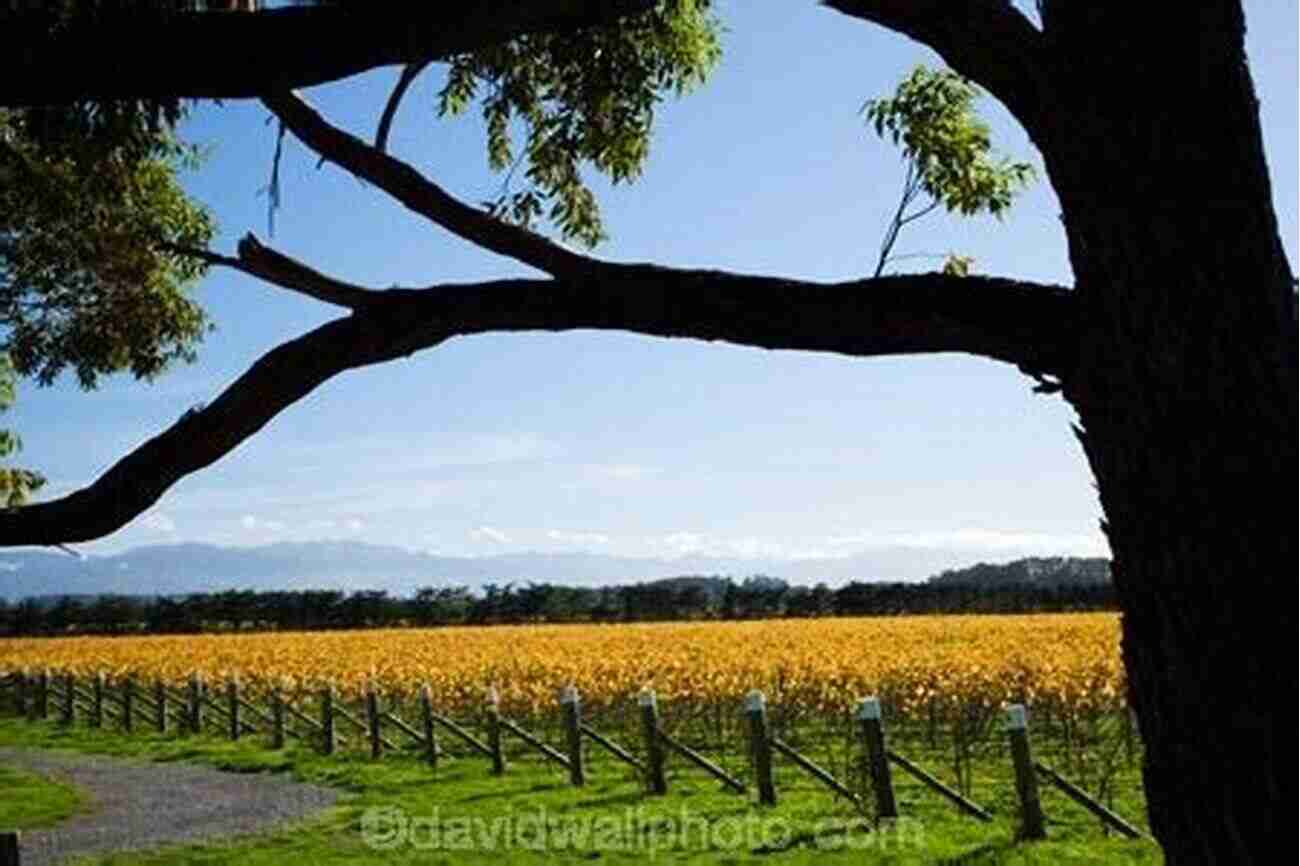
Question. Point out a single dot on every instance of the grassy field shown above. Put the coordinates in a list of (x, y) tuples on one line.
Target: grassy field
[(398, 811), (28, 801)]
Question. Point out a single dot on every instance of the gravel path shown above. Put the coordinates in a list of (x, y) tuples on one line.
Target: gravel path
[(144, 804)]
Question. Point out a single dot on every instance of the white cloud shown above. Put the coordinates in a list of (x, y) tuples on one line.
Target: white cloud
[(684, 542), (750, 547), (577, 537), (768, 549), (489, 533), (973, 541), (624, 471), (433, 451), (354, 525), (973, 538), (257, 524), (158, 522)]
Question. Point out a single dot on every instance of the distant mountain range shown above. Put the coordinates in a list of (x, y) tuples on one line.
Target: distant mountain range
[(185, 568)]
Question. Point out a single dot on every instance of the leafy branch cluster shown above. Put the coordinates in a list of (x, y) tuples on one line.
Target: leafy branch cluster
[(949, 155), (581, 98), (83, 284), (16, 484)]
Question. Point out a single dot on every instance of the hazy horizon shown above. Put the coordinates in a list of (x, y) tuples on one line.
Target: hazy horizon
[(184, 568)]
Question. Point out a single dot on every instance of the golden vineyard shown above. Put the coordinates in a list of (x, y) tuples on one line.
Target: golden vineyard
[(1067, 665)]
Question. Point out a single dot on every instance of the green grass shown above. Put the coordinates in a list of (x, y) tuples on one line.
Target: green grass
[(28, 801), (462, 814)]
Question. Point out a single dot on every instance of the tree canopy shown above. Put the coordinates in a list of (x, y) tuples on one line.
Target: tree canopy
[(86, 280)]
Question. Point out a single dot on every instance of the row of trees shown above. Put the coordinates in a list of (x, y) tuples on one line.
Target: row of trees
[(676, 599)]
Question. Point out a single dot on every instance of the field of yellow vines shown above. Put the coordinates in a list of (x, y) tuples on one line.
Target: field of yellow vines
[(1067, 663)]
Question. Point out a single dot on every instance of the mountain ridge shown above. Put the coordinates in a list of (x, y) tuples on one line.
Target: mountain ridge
[(189, 567)]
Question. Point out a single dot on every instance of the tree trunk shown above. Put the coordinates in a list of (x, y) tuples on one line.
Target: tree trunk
[(1185, 385)]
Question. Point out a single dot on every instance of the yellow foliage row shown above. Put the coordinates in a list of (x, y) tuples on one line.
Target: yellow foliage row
[(917, 665)]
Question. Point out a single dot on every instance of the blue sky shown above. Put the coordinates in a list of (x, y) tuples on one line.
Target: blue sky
[(611, 442)]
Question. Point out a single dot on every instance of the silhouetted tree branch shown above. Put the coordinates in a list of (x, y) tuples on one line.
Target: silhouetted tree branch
[(1021, 323), (229, 55)]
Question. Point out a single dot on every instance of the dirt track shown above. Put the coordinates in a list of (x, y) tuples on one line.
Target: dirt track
[(142, 804)]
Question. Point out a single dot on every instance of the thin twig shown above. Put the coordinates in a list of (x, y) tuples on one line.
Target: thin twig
[(409, 73)]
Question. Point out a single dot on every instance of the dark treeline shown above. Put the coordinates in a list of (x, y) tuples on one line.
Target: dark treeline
[(684, 598)]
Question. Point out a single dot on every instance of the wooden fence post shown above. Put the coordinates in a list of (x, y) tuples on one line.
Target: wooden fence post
[(327, 718), (69, 685), (196, 703), (43, 694), (10, 853), (128, 699), (493, 712), (654, 750), (277, 717), (760, 747), (97, 701), (372, 722), (232, 705), (1031, 811), (873, 738), (426, 720), (160, 698), (20, 694), (571, 707)]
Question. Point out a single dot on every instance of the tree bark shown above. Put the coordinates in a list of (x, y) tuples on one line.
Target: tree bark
[(1186, 393)]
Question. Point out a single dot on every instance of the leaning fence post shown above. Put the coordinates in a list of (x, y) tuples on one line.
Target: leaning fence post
[(327, 718), (160, 699), (1031, 811), (196, 703), (493, 712), (97, 701), (69, 683), (232, 704), (571, 707), (128, 699), (20, 694), (873, 737), (277, 717), (43, 694), (10, 853), (372, 721), (654, 749), (426, 718), (760, 747)]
